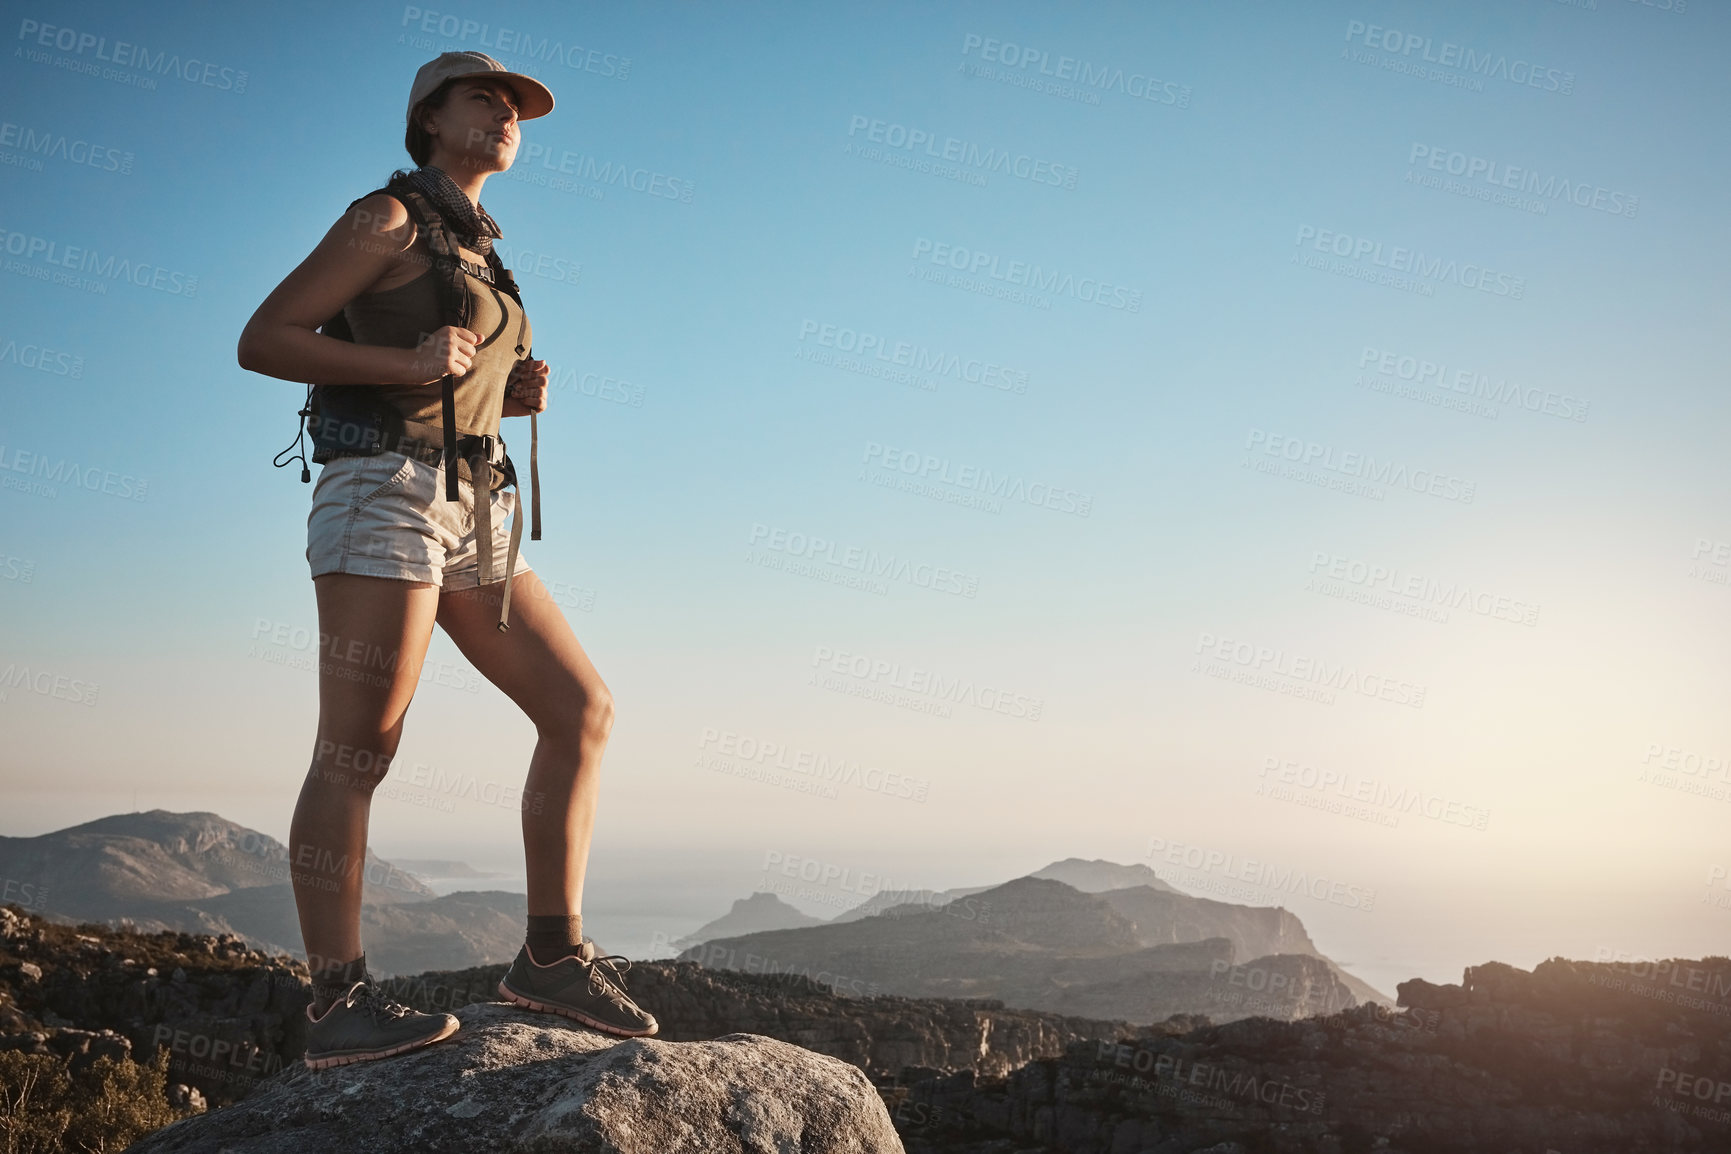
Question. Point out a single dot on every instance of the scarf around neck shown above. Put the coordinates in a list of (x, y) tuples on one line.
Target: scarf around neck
[(468, 220)]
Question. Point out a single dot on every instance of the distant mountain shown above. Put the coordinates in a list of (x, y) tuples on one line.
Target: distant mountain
[(442, 868), (1135, 953), (1093, 877), (1361, 989), (1163, 918), (1090, 877), (905, 901), (201, 873), (1160, 914), (104, 868), (750, 915), (467, 928)]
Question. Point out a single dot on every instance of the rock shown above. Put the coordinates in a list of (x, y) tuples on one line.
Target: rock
[(229, 1024), (1423, 995), (882, 1035), (32, 1042), (1583, 1057), (85, 1046), (184, 1097), (30, 970), (512, 1080)]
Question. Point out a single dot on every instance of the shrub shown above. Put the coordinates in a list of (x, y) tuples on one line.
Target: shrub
[(45, 1108)]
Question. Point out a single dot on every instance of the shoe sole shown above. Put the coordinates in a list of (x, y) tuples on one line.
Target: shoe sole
[(517, 999), (369, 1055)]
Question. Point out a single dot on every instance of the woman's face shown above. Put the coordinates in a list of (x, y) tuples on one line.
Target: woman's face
[(477, 128)]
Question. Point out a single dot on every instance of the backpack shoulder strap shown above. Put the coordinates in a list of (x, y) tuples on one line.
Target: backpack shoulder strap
[(454, 292), (502, 276), (447, 261), (426, 216), (388, 190)]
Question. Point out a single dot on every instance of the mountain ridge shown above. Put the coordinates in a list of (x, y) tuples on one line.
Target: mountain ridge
[(1136, 953), (199, 872)]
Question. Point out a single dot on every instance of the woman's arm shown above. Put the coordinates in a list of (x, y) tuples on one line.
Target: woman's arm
[(281, 339)]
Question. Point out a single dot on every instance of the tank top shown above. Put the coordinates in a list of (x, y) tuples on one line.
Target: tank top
[(400, 317)]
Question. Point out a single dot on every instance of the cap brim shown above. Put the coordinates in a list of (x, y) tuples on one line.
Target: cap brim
[(533, 98)]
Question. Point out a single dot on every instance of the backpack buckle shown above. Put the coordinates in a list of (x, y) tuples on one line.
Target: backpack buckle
[(470, 444)]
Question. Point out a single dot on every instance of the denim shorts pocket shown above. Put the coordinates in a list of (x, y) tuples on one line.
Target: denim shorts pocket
[(380, 464)]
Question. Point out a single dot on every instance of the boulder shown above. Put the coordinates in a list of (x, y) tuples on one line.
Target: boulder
[(513, 1080)]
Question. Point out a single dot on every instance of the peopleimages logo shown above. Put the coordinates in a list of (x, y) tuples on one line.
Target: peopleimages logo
[(1472, 384), (963, 152), (1215, 655), (913, 356), (874, 568), (1022, 274), (1448, 54), (59, 146), (1390, 579), (127, 55), (770, 754), (1002, 486), (92, 477), (1371, 792), (502, 41), (881, 673), (88, 260), (1087, 75), (1691, 762), (47, 683), (1259, 874), (1498, 175), (1398, 259), (600, 173), (41, 358), (1359, 467), (1172, 1072)]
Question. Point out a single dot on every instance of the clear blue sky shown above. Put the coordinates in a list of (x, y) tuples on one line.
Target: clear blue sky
[(1383, 258)]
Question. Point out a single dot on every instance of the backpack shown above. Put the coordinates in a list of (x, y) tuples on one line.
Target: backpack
[(353, 420)]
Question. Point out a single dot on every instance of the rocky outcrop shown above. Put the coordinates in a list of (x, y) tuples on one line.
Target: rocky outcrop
[(231, 1017), (228, 1015), (880, 1034), (511, 1080), (1579, 1057), (1587, 1058)]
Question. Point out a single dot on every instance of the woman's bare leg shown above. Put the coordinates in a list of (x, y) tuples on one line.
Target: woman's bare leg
[(539, 665), (373, 637)]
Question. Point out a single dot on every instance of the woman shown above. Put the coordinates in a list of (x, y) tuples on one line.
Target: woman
[(390, 555)]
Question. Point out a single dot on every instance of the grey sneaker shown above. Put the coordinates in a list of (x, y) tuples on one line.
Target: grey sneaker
[(365, 1024), (584, 986)]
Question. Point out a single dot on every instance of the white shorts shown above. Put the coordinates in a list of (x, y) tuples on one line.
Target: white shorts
[(386, 516)]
